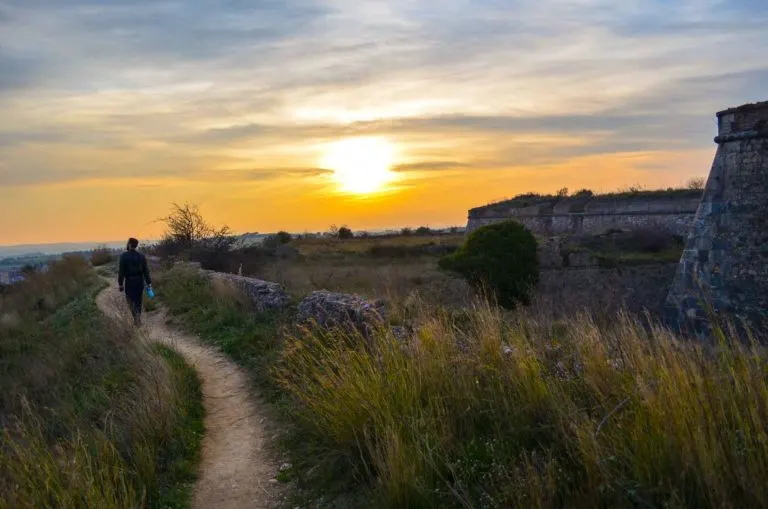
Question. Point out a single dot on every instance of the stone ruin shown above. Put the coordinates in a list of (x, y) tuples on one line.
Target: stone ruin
[(724, 269)]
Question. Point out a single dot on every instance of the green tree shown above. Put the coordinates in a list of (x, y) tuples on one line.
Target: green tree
[(500, 258)]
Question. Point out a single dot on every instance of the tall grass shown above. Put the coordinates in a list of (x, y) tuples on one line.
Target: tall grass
[(483, 411), (89, 415)]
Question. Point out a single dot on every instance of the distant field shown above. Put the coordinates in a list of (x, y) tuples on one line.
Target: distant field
[(328, 246), (395, 268)]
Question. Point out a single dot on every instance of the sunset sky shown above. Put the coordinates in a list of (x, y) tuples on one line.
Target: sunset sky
[(111, 110)]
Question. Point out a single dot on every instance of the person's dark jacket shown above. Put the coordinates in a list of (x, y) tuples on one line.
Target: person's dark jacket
[(133, 267)]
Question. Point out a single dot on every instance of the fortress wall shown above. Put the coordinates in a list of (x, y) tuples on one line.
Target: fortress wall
[(724, 267), (594, 215), (676, 223)]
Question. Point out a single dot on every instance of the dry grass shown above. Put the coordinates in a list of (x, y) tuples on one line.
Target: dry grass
[(394, 280), (480, 410), (89, 415), (101, 256), (353, 266), (487, 409), (330, 246)]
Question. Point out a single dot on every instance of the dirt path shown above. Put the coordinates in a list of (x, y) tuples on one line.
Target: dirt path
[(236, 472)]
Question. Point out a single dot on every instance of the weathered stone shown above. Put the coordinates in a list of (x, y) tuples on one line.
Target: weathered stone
[(724, 267), (329, 309), (264, 295), (594, 214)]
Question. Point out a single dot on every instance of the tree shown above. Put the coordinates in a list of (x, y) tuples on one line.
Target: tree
[(405, 232), (187, 229), (185, 225), (696, 183), (562, 193), (345, 233), (423, 230), (501, 258)]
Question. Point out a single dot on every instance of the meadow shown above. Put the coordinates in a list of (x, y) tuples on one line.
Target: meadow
[(90, 416), (482, 407)]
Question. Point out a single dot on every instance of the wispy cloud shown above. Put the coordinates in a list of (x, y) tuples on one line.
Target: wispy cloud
[(131, 89)]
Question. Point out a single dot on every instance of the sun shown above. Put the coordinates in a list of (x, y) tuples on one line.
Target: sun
[(361, 165)]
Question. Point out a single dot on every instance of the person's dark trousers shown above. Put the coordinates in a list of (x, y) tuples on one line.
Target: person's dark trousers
[(134, 292)]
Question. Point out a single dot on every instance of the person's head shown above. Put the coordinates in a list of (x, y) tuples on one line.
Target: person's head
[(132, 244)]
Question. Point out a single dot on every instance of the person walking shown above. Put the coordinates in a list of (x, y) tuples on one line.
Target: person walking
[(132, 276)]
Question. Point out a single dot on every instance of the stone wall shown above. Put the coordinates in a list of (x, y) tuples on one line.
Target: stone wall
[(673, 211), (264, 295), (724, 267)]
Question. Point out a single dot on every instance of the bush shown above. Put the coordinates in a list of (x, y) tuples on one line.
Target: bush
[(500, 258), (278, 239), (345, 233), (101, 256), (423, 230)]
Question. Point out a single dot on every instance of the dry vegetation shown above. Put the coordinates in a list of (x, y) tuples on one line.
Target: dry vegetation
[(89, 416), (484, 408), (398, 268)]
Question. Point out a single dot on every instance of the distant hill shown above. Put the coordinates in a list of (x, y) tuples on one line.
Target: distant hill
[(53, 249)]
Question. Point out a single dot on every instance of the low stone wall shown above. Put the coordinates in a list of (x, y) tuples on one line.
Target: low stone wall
[(329, 309), (264, 295)]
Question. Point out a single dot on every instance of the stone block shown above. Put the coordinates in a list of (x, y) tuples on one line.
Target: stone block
[(348, 311), (264, 295)]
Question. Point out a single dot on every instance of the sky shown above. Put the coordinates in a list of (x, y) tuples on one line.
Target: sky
[(112, 110)]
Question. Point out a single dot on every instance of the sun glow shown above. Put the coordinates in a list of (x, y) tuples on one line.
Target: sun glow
[(361, 165)]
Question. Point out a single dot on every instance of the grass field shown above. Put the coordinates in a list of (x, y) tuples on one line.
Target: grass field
[(396, 268), (489, 409), (89, 415)]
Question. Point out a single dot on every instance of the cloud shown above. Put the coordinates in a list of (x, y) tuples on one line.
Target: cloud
[(17, 72), (189, 85), (431, 166), (259, 174)]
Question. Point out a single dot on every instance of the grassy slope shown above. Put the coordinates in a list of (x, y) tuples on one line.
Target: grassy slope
[(487, 410), (89, 416)]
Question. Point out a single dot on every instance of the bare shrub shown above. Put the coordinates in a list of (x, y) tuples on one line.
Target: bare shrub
[(102, 255), (696, 183)]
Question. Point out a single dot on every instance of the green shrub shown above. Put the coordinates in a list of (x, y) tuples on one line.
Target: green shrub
[(345, 233), (278, 239), (500, 258)]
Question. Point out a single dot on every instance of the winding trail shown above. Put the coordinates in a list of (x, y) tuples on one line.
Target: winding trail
[(236, 471)]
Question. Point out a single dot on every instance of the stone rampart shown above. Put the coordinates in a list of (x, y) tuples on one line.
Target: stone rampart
[(669, 210)]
